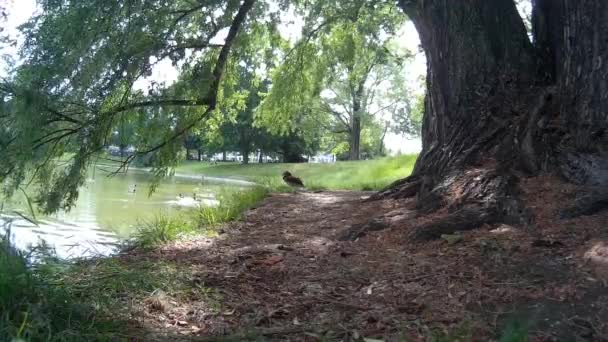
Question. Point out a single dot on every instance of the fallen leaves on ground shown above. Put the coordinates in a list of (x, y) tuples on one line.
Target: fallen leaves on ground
[(282, 273)]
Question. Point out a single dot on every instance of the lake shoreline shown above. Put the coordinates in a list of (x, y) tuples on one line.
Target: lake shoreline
[(109, 211)]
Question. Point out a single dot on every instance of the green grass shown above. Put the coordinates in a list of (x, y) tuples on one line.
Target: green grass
[(113, 285), (516, 330), (88, 300), (202, 221), (163, 228), (16, 291), (35, 307), (347, 175), (233, 204)]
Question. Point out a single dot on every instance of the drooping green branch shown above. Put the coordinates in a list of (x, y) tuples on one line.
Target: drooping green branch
[(222, 59), (76, 90), (210, 100)]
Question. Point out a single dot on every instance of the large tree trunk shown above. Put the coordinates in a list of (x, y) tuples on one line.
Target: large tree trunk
[(497, 104), (582, 81)]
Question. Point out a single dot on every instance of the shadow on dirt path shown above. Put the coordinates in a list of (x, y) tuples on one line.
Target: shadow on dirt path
[(288, 271)]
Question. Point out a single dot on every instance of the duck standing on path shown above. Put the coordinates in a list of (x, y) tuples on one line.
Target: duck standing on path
[(291, 180)]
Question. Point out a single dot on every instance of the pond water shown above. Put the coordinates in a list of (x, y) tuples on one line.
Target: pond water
[(109, 210)]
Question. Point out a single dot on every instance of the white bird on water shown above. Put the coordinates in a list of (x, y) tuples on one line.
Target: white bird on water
[(185, 201), (132, 188), (194, 201)]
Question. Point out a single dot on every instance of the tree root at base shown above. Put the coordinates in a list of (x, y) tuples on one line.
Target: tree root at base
[(586, 204), (461, 220), (403, 188)]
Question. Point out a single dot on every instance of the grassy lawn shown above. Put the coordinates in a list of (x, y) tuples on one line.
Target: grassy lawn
[(203, 220), (347, 175)]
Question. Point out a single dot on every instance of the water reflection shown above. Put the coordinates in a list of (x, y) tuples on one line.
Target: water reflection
[(67, 240), (109, 210)]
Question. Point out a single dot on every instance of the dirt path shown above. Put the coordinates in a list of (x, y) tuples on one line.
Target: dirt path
[(284, 273)]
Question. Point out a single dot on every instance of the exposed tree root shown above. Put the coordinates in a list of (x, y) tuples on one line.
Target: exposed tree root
[(403, 188), (359, 230), (472, 197), (464, 219), (586, 204), (588, 169), (477, 182)]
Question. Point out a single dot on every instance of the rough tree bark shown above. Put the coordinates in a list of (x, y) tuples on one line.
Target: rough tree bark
[(499, 106)]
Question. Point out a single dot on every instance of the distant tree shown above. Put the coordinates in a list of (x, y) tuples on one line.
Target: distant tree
[(407, 117), (124, 133), (5, 39), (3, 14), (338, 72), (359, 72), (244, 135), (371, 140), (193, 142)]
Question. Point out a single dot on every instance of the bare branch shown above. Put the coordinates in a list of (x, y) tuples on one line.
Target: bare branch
[(341, 103), (338, 116), (159, 103), (194, 44), (56, 139), (385, 107), (184, 13), (225, 52)]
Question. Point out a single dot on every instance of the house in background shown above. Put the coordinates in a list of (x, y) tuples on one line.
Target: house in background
[(322, 158)]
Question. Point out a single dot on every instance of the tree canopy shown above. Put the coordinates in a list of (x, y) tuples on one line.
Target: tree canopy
[(81, 61), (79, 86), (348, 56)]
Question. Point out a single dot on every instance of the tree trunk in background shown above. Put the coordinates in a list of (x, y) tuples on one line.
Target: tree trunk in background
[(261, 158), (497, 104), (245, 154), (122, 151), (355, 130), (381, 147), (224, 156), (200, 155), (355, 138)]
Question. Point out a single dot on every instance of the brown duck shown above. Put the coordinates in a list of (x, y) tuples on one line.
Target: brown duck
[(292, 180)]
